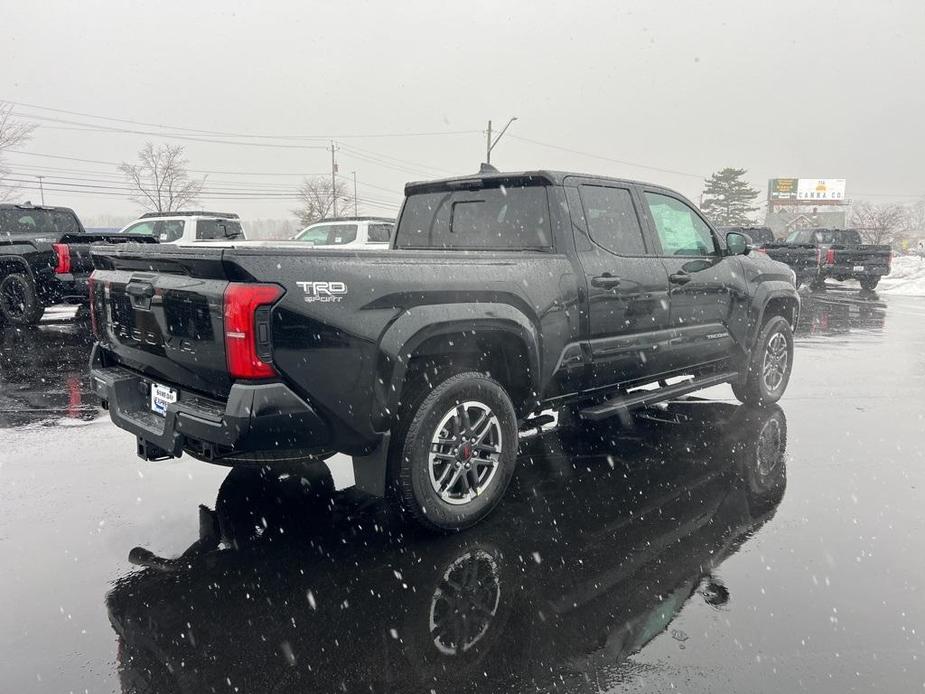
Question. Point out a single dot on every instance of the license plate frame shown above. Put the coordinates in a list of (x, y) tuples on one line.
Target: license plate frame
[(858, 268), (161, 397)]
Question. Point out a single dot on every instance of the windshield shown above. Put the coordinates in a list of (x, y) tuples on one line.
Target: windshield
[(37, 222)]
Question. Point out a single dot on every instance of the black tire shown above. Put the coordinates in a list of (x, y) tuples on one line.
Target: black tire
[(870, 283), (460, 464), (755, 388), (19, 300)]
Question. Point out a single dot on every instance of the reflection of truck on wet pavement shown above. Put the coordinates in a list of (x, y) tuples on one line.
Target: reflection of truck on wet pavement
[(502, 295), (573, 576)]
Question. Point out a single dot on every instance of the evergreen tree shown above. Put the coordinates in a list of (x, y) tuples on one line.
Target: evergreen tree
[(728, 200)]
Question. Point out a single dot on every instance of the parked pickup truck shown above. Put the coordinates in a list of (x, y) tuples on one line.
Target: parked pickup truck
[(183, 227), (44, 260), (502, 295), (820, 254)]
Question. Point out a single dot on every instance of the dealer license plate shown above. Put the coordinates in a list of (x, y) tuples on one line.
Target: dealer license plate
[(161, 396)]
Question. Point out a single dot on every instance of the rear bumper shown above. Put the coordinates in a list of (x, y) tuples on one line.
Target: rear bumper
[(72, 288), (266, 419), (847, 270)]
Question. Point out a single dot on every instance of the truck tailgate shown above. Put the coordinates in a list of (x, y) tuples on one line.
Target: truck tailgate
[(79, 245), (160, 312), (868, 255)]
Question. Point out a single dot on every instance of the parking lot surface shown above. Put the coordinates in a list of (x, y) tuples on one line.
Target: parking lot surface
[(711, 547)]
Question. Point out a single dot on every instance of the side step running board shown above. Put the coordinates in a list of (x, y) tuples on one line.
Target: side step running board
[(641, 398)]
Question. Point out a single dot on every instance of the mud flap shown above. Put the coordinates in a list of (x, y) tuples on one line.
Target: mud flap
[(370, 471)]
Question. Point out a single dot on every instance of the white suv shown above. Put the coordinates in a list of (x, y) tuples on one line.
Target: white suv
[(187, 227), (354, 232)]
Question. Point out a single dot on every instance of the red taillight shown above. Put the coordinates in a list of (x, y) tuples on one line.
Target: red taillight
[(830, 256), (93, 327), (63, 254), (246, 336)]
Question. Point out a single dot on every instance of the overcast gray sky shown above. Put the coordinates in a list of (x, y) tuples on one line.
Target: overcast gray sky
[(789, 89)]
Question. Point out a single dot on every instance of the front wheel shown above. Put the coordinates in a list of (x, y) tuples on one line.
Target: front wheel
[(19, 301), (458, 453), (870, 283), (769, 366)]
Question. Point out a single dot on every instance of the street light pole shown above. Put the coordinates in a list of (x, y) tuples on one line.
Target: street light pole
[(490, 144), (355, 208), (42, 189)]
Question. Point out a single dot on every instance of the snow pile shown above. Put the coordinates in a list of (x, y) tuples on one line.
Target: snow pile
[(907, 277)]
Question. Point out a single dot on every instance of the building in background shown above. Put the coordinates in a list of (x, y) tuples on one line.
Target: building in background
[(801, 203)]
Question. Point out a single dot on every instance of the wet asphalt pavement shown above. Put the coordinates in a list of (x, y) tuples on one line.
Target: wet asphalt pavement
[(711, 548)]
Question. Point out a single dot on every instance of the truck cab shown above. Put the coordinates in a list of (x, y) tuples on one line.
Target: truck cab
[(186, 227)]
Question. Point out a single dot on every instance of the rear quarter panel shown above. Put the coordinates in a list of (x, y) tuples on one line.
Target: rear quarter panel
[(347, 351)]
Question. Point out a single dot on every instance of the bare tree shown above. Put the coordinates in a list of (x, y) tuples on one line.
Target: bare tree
[(161, 180), (913, 225), (13, 132), (877, 223), (317, 197)]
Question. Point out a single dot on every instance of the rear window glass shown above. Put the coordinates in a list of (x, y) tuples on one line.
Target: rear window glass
[(380, 233), (38, 222), (207, 229), (492, 218), (837, 236)]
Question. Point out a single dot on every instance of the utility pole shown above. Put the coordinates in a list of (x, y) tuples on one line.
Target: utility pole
[(491, 145), (41, 188), (333, 179), (355, 208)]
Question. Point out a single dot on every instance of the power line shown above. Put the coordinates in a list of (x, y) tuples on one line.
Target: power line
[(610, 159), (232, 134), (203, 171)]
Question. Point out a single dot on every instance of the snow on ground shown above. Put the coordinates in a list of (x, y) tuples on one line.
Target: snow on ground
[(906, 278)]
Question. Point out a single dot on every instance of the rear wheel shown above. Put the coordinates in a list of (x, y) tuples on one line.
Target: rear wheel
[(458, 454), (19, 301), (769, 365), (870, 283)]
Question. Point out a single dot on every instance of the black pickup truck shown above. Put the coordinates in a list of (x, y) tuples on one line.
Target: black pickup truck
[(502, 295), (44, 260), (816, 255)]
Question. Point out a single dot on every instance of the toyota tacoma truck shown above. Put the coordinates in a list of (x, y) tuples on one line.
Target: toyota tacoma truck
[(44, 260), (502, 295)]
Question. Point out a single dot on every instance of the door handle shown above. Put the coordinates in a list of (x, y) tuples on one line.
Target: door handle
[(605, 281), (679, 278)]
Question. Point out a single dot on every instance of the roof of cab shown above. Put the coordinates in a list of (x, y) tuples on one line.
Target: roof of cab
[(539, 177)]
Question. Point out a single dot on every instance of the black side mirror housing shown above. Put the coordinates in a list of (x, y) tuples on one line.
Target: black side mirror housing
[(737, 244)]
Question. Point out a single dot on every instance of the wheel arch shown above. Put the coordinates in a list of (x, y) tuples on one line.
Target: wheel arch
[(496, 338)]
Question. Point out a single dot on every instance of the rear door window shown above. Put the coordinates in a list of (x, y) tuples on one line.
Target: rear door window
[(681, 230), (169, 230), (612, 219), (498, 218)]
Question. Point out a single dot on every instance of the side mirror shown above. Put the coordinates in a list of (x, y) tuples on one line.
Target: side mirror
[(736, 243)]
